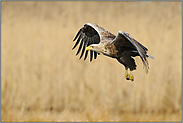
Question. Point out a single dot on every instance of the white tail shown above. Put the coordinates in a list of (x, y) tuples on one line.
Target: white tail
[(149, 56)]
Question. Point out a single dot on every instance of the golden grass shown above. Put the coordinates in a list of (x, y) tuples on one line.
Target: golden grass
[(43, 80)]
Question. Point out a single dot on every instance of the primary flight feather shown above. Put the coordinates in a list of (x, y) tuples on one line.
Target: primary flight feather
[(122, 47)]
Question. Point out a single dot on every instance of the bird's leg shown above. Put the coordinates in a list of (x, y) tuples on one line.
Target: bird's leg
[(131, 77), (127, 75)]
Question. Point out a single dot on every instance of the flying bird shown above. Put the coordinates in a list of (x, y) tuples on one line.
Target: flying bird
[(122, 47)]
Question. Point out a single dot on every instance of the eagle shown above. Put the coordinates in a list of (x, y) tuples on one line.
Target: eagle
[(122, 47)]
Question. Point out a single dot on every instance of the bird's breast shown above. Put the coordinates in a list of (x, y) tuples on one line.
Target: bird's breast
[(111, 50)]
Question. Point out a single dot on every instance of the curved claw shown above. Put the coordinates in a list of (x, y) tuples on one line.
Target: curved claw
[(129, 76)]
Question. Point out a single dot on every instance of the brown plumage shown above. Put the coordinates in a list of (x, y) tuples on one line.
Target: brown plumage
[(122, 47)]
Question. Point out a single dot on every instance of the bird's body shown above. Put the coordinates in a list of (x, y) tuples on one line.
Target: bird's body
[(122, 47)]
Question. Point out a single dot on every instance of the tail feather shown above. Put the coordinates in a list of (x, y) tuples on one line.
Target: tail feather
[(149, 56)]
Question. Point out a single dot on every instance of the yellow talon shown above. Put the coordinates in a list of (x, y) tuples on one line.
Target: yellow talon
[(129, 76)]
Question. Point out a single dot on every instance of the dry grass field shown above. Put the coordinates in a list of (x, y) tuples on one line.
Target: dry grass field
[(43, 80)]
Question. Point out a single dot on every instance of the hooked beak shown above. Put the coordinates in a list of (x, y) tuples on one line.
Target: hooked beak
[(88, 48)]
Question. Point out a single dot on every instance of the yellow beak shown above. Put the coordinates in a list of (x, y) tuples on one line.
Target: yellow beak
[(88, 48)]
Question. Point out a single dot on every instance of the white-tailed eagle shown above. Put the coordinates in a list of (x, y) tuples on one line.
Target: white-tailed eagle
[(121, 47)]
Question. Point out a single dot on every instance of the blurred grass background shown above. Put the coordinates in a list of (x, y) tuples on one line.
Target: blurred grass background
[(43, 80)]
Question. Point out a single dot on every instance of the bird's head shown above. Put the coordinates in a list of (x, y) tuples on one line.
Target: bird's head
[(99, 48), (94, 47)]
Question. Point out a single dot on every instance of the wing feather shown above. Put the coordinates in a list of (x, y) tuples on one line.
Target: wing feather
[(84, 46), (79, 32), (91, 55), (94, 35), (95, 55), (86, 53), (103, 33), (91, 52), (81, 44), (77, 42), (123, 39)]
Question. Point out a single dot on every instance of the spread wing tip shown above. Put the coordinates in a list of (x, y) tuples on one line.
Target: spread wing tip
[(87, 35), (79, 33)]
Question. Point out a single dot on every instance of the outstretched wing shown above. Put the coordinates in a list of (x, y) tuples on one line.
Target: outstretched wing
[(124, 40), (87, 35)]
